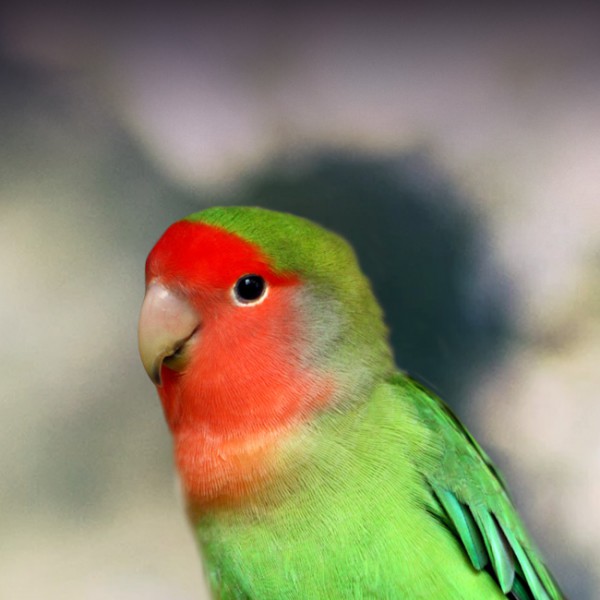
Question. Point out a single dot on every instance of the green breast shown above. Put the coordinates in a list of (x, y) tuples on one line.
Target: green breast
[(350, 521)]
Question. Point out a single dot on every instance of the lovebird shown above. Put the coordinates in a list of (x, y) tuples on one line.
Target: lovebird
[(312, 467)]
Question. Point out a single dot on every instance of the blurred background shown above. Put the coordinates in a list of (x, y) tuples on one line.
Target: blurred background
[(458, 151)]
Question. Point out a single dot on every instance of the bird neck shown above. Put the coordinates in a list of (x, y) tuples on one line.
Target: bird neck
[(228, 437)]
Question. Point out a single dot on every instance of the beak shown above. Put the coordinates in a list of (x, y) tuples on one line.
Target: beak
[(167, 322)]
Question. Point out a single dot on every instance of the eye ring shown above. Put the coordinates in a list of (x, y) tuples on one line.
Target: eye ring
[(249, 290)]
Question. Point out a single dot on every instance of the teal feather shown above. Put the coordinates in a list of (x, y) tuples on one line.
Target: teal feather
[(529, 572), (520, 589), (499, 551), (462, 519)]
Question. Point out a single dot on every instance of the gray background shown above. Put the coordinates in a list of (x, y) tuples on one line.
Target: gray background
[(459, 152)]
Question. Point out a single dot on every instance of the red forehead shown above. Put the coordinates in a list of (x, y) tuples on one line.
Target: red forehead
[(192, 253)]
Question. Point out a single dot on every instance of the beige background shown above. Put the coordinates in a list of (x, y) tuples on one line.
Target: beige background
[(115, 123)]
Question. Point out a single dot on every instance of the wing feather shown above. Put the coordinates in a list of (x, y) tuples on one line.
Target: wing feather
[(471, 497)]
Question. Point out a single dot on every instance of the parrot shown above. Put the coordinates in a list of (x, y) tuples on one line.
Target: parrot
[(312, 467)]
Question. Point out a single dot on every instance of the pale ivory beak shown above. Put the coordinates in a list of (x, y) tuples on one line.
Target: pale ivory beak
[(167, 322)]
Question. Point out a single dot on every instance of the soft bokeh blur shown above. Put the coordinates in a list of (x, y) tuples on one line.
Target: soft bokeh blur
[(458, 151)]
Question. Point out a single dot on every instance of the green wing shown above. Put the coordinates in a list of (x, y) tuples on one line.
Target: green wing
[(469, 496)]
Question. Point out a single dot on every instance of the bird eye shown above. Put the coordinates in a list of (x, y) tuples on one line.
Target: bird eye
[(249, 289)]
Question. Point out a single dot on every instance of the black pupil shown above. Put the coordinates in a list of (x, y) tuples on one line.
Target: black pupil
[(250, 287)]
